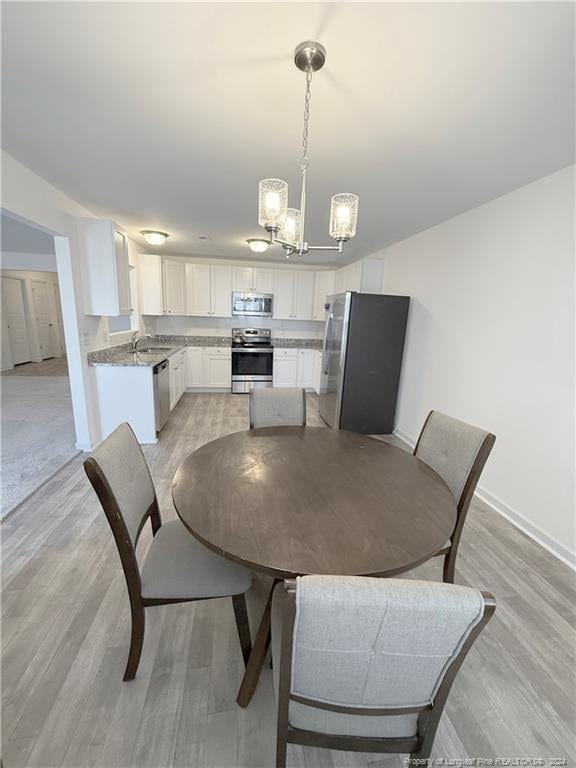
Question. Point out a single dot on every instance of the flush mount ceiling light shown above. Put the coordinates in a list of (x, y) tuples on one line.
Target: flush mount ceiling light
[(285, 226), (257, 244), (153, 237)]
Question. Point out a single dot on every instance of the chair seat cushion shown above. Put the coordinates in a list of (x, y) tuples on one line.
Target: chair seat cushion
[(178, 566)]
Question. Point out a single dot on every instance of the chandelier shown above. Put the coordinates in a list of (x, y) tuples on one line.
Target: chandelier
[(285, 226)]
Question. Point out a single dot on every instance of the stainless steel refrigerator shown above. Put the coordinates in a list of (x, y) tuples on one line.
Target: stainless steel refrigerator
[(362, 359)]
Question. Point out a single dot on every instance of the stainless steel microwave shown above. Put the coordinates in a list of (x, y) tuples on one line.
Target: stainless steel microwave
[(252, 304)]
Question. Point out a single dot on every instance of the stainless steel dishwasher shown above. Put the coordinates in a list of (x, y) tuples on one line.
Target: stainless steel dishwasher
[(161, 375)]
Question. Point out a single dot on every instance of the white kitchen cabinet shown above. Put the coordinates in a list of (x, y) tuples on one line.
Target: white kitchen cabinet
[(364, 276), (252, 279), (198, 289), (221, 291), (149, 267), (285, 369), (263, 280), (242, 279), (283, 303), (323, 287), (174, 287), (195, 367), (178, 376), (218, 367), (106, 270), (303, 295), (317, 375), (305, 373), (293, 294)]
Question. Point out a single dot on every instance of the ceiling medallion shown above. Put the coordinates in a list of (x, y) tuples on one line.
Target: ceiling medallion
[(285, 226)]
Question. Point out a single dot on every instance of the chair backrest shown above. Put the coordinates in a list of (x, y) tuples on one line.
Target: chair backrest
[(456, 451), (387, 647), (277, 407), (120, 476)]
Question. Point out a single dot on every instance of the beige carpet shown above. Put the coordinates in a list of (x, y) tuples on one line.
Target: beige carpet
[(38, 433)]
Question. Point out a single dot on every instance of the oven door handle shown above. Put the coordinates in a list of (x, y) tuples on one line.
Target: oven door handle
[(252, 351)]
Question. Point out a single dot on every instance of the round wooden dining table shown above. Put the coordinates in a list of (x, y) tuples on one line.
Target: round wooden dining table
[(291, 501)]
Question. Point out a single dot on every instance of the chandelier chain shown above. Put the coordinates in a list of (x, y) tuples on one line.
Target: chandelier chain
[(304, 163)]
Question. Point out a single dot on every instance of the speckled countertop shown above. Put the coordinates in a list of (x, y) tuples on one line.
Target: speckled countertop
[(122, 356), (297, 343)]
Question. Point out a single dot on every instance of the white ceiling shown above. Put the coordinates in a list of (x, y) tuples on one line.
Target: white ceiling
[(166, 115)]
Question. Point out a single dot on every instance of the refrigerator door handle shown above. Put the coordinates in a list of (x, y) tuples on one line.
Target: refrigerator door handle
[(327, 342)]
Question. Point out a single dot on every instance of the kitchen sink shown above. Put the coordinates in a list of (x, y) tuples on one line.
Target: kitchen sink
[(152, 350)]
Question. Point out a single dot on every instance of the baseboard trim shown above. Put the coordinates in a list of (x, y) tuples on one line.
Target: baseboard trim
[(533, 531)]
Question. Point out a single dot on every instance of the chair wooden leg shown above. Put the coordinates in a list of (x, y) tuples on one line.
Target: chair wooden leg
[(258, 655), (136, 641), (242, 625), (449, 566), (281, 748)]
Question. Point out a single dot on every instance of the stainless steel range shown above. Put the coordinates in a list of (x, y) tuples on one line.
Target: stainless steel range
[(252, 359)]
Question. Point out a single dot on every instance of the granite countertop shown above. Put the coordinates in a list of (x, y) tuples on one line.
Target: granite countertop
[(122, 356), (297, 343)]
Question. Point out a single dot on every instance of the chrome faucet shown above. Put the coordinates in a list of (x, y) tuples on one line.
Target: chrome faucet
[(136, 339)]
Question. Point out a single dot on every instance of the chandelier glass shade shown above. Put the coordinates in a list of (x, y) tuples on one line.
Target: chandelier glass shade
[(285, 226), (290, 229), (272, 203), (343, 216)]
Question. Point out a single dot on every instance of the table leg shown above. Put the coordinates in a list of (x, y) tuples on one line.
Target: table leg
[(258, 655)]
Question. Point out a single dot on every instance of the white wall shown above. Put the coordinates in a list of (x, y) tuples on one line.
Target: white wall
[(490, 340), (29, 197), (38, 262)]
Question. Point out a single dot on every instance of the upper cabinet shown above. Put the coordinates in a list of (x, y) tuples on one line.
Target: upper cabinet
[(209, 289), (106, 269), (323, 287), (252, 279), (283, 303), (293, 294), (150, 284), (221, 291), (263, 280), (198, 289), (364, 276), (174, 287)]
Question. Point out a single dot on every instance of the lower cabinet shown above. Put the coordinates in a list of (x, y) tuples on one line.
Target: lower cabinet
[(305, 376), (195, 367), (285, 371), (317, 374), (298, 368), (217, 367), (209, 367), (178, 367)]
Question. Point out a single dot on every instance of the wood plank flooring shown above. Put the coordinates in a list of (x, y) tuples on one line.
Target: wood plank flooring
[(65, 633)]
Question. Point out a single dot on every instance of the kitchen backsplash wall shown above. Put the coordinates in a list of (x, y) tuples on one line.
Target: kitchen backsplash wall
[(214, 326)]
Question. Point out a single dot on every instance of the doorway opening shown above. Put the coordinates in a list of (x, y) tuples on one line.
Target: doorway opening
[(38, 435)]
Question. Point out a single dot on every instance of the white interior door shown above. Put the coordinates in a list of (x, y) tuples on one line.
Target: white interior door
[(15, 317), (59, 325), (44, 319)]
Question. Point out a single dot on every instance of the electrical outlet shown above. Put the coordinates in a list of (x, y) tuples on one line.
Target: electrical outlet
[(86, 339)]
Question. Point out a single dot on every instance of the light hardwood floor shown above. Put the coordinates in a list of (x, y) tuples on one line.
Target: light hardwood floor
[(65, 633)]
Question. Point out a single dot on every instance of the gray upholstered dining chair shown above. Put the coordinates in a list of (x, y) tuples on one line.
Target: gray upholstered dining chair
[(367, 664), (457, 452), (278, 407), (176, 567)]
